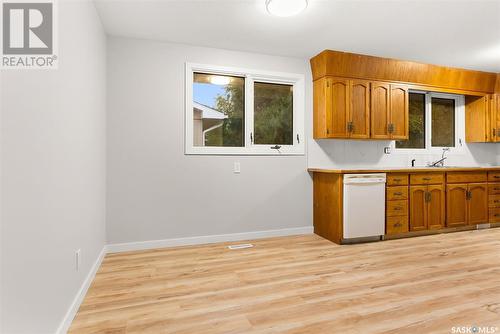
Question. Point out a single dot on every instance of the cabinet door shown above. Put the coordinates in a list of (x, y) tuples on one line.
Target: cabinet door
[(399, 121), (478, 203), (457, 204), (338, 111), (495, 117), (380, 110), (436, 207), (418, 208), (359, 116)]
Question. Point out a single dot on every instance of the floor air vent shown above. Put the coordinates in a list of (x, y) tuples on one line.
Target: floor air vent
[(240, 246)]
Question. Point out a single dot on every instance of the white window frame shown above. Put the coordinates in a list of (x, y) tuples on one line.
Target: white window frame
[(459, 126), (250, 76)]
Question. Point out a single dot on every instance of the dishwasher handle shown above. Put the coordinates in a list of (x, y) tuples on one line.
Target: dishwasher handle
[(364, 178)]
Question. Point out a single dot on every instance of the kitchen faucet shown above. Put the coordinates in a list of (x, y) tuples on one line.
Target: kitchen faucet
[(440, 162)]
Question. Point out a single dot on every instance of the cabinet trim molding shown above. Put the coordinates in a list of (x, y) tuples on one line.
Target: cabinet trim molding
[(441, 78)]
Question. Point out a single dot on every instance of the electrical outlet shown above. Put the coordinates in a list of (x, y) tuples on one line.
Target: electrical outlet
[(237, 168), (78, 259), (387, 150)]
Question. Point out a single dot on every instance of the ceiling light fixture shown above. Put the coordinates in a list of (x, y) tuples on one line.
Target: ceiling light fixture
[(285, 7), (220, 80)]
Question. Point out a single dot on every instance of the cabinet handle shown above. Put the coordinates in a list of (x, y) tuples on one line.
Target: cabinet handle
[(350, 127), (494, 132), (398, 208), (397, 180), (496, 176), (390, 127), (468, 195), (398, 194), (496, 215), (428, 196), (427, 178), (397, 225)]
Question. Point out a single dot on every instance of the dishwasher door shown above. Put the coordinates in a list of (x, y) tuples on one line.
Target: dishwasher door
[(364, 205)]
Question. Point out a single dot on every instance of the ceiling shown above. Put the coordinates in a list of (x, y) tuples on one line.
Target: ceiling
[(444, 32)]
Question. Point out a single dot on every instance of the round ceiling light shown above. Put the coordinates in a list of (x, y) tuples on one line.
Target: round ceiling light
[(285, 7)]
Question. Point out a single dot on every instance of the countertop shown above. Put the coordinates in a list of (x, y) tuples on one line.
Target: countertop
[(358, 170)]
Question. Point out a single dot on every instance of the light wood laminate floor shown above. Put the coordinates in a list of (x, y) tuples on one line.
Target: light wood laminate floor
[(300, 284)]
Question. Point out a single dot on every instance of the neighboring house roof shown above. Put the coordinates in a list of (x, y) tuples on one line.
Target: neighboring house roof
[(207, 112)]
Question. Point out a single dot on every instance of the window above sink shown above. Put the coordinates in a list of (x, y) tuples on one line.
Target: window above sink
[(436, 121)]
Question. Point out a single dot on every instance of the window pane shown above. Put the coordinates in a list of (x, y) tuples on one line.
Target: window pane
[(218, 110), (273, 114), (417, 123), (443, 122)]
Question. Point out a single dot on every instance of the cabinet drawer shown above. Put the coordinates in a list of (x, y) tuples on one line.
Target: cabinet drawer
[(397, 208), (427, 178), (396, 225), (494, 189), (397, 193), (397, 179), (494, 201), (494, 176), (466, 177), (494, 215)]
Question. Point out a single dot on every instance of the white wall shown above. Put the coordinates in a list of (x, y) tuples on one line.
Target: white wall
[(353, 154), (53, 175), (157, 192)]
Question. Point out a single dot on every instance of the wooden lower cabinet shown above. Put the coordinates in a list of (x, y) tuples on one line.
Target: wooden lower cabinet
[(397, 225), (436, 207), (467, 204), (418, 208), (456, 198), (478, 203), (427, 207), (494, 197)]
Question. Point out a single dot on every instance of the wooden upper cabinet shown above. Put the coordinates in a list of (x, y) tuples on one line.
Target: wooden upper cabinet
[(494, 118), (418, 208), (436, 215), (477, 119), (478, 203), (380, 110), (389, 111), (456, 198), (359, 116), (399, 122), (338, 105), (341, 108)]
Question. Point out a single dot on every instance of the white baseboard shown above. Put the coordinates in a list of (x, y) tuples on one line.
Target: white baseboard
[(80, 295), (132, 246)]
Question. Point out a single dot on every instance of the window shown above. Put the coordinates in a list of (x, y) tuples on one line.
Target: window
[(233, 111), (436, 122)]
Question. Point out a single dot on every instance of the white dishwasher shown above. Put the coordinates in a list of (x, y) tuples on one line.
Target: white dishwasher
[(364, 206)]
